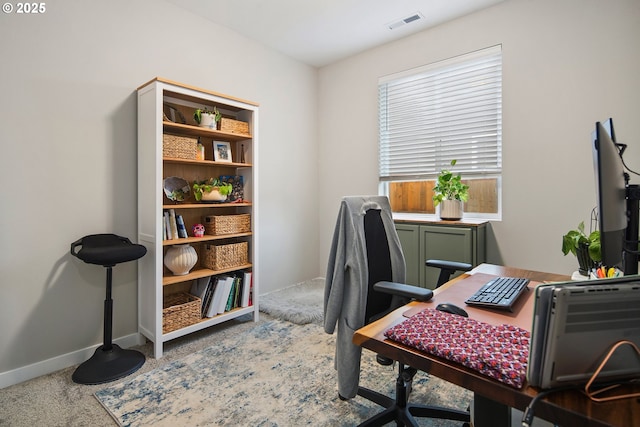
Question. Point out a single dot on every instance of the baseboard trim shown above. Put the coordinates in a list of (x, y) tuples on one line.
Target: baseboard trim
[(63, 361)]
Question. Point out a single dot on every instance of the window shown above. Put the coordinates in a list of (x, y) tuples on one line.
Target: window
[(431, 115)]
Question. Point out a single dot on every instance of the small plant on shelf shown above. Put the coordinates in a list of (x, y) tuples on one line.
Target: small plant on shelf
[(207, 118), (211, 190)]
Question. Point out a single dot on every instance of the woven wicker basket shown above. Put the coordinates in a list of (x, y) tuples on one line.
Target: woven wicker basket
[(217, 225), (222, 257), (234, 126), (180, 310), (179, 147)]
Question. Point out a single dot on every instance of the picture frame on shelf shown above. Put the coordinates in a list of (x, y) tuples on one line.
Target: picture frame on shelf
[(222, 151)]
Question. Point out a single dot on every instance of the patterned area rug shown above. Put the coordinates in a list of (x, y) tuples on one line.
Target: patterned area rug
[(270, 373), (300, 304)]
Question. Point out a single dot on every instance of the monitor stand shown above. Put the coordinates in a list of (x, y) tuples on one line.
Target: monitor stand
[(630, 253)]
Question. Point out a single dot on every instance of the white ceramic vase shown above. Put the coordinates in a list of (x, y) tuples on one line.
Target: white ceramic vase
[(208, 121), (451, 209), (180, 259), (213, 196)]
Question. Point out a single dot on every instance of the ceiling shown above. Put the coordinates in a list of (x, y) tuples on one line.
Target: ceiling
[(319, 32)]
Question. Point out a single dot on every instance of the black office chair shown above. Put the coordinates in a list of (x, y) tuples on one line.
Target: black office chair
[(109, 362), (384, 296)]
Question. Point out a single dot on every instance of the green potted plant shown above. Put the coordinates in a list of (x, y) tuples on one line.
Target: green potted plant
[(585, 247), (451, 192), (211, 190), (207, 118)]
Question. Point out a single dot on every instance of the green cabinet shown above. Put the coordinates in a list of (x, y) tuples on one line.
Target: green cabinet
[(458, 241), (409, 235)]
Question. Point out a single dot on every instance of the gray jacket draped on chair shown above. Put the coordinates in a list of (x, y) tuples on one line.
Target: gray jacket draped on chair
[(346, 287)]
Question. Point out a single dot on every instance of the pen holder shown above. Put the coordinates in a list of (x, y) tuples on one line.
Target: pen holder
[(604, 272)]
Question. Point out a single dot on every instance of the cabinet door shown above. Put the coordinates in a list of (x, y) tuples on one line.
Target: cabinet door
[(445, 243), (409, 235)]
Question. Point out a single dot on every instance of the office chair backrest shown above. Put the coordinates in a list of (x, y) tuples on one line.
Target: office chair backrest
[(378, 262)]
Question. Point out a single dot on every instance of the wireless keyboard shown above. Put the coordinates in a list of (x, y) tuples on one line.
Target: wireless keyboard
[(501, 292)]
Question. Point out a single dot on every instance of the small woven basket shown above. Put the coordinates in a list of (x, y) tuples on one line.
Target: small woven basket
[(216, 225), (179, 147), (234, 126), (180, 310), (222, 257)]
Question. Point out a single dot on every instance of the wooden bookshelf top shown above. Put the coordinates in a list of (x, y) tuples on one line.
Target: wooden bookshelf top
[(190, 87)]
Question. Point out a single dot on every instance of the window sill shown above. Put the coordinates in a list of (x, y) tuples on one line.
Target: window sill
[(427, 218)]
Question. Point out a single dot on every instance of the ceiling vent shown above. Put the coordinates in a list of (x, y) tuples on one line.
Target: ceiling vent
[(409, 19)]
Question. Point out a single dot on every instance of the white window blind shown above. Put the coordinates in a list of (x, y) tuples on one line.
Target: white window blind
[(443, 111)]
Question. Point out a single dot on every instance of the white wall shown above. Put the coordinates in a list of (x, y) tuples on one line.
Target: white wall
[(566, 65), (68, 160)]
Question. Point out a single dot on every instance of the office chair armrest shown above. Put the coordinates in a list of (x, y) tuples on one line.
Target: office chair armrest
[(449, 265), (447, 268), (403, 290)]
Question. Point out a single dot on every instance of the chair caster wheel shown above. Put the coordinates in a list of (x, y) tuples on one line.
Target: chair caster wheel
[(385, 361)]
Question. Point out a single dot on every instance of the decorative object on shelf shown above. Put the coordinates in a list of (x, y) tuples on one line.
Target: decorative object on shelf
[(217, 225), (237, 181), (198, 230), (242, 159), (451, 193), (200, 151), (211, 190), (180, 259), (585, 248), (179, 147), (176, 189), (221, 257), (222, 151), (180, 310), (172, 114), (207, 118), (234, 126)]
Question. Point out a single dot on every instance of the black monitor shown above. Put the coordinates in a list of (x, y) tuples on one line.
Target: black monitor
[(611, 194)]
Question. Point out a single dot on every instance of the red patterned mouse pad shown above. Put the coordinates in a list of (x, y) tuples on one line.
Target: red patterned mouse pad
[(500, 352)]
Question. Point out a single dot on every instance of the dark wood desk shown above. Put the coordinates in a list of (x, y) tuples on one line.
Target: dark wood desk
[(569, 408)]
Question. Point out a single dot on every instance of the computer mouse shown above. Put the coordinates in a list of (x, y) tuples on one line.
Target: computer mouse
[(447, 307)]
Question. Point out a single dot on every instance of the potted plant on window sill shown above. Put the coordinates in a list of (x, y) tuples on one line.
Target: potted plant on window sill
[(451, 193), (211, 190), (585, 248), (207, 118)]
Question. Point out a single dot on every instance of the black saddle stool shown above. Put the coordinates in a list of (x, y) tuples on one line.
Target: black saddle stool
[(109, 362)]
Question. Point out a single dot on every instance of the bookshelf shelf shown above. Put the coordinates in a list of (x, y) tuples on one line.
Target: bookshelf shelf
[(205, 238), (166, 108), (205, 205), (200, 273), (183, 129)]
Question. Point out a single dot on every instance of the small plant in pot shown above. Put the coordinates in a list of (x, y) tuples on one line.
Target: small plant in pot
[(211, 190), (207, 118), (585, 248), (451, 192)]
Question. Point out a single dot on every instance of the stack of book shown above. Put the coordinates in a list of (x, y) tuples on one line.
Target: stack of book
[(222, 293), (174, 227)]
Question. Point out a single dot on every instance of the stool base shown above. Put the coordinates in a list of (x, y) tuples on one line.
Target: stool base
[(108, 365)]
